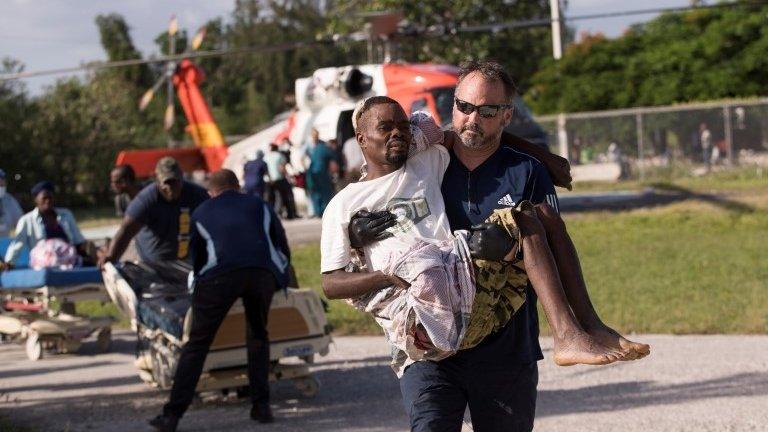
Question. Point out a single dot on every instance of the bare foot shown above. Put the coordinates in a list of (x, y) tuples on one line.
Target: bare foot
[(612, 339), (581, 348)]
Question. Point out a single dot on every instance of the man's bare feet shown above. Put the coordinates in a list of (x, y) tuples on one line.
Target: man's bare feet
[(578, 347), (612, 339)]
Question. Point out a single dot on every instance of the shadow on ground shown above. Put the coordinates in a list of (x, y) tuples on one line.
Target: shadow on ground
[(660, 194), (626, 395)]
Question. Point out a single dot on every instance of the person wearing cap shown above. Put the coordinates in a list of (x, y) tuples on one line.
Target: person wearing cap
[(159, 217), (10, 211), (254, 172), (44, 222), (239, 250)]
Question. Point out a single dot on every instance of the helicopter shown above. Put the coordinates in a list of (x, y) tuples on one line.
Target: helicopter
[(182, 80), (324, 101)]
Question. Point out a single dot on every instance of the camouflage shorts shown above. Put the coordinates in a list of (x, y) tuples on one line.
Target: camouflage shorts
[(500, 286)]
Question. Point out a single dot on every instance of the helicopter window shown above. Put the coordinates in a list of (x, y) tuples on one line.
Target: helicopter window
[(344, 128), (444, 102)]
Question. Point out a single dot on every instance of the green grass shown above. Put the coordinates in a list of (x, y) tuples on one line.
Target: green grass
[(7, 426), (92, 217), (691, 267), (94, 308), (746, 178), (343, 318)]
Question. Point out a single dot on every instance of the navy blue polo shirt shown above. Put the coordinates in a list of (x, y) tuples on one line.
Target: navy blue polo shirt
[(164, 235), (237, 231), (503, 180)]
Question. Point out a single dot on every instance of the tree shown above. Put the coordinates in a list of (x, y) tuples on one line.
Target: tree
[(678, 57), (15, 109), (78, 132), (116, 41)]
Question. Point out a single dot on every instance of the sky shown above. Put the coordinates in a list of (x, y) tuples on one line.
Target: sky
[(50, 34)]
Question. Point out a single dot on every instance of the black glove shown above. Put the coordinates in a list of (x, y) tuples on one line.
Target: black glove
[(366, 227), (490, 242)]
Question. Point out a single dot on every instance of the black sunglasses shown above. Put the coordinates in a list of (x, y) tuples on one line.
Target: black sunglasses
[(485, 111)]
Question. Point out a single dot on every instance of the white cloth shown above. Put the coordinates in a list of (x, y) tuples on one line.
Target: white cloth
[(412, 193), (54, 253)]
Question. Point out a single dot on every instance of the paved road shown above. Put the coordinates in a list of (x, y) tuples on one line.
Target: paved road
[(689, 383)]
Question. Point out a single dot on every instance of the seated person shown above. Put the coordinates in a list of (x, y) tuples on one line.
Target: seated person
[(45, 222), (415, 251)]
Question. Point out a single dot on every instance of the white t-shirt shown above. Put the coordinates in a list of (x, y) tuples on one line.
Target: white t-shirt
[(412, 193)]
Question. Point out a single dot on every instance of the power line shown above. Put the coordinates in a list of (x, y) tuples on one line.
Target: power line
[(98, 65), (434, 31), (536, 22)]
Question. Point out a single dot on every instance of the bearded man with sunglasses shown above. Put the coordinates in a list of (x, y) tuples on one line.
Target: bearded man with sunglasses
[(497, 379)]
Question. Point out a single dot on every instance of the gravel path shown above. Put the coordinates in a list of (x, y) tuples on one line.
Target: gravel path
[(689, 383)]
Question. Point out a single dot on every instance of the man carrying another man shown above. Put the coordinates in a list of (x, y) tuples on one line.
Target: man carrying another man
[(497, 377)]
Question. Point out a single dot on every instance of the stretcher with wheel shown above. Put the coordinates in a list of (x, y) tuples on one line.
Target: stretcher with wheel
[(25, 314), (156, 300)]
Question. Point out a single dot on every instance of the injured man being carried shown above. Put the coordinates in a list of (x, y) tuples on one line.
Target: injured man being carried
[(447, 300)]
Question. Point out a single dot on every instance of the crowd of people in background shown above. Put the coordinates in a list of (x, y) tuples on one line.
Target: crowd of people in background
[(321, 169)]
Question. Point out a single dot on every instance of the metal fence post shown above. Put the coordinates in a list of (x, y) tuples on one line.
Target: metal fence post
[(728, 133), (562, 137), (640, 145)]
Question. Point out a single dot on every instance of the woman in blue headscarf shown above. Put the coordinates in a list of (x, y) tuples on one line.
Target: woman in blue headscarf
[(45, 222)]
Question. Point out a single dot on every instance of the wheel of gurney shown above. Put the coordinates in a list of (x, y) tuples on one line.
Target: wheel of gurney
[(33, 347), (104, 340), (308, 386)]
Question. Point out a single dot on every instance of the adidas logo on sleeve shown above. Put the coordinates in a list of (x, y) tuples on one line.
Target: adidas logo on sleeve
[(506, 200)]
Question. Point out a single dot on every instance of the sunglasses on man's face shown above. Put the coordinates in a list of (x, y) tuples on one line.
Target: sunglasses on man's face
[(485, 111)]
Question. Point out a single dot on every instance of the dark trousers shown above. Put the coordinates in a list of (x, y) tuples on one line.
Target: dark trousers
[(284, 189), (501, 398), (211, 302)]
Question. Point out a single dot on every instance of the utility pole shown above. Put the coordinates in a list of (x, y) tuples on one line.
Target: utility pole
[(557, 32), (557, 53)]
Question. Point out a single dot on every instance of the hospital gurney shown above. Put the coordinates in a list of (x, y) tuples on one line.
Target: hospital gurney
[(156, 300), (25, 316)]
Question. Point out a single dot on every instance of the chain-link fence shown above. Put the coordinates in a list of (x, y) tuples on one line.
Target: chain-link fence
[(646, 141)]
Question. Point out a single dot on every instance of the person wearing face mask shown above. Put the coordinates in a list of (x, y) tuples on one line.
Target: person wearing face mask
[(44, 222), (10, 211), (159, 217)]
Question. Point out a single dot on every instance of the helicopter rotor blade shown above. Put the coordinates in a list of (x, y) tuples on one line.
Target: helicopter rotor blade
[(173, 26), (198, 39), (149, 94), (168, 118)]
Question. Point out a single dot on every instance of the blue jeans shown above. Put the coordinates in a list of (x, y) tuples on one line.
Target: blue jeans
[(501, 398)]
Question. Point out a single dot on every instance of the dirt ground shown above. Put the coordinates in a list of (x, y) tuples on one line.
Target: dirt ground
[(689, 383)]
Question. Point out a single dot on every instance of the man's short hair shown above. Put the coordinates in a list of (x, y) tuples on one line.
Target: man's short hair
[(168, 168), (223, 179), (365, 105), (125, 172), (491, 71)]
